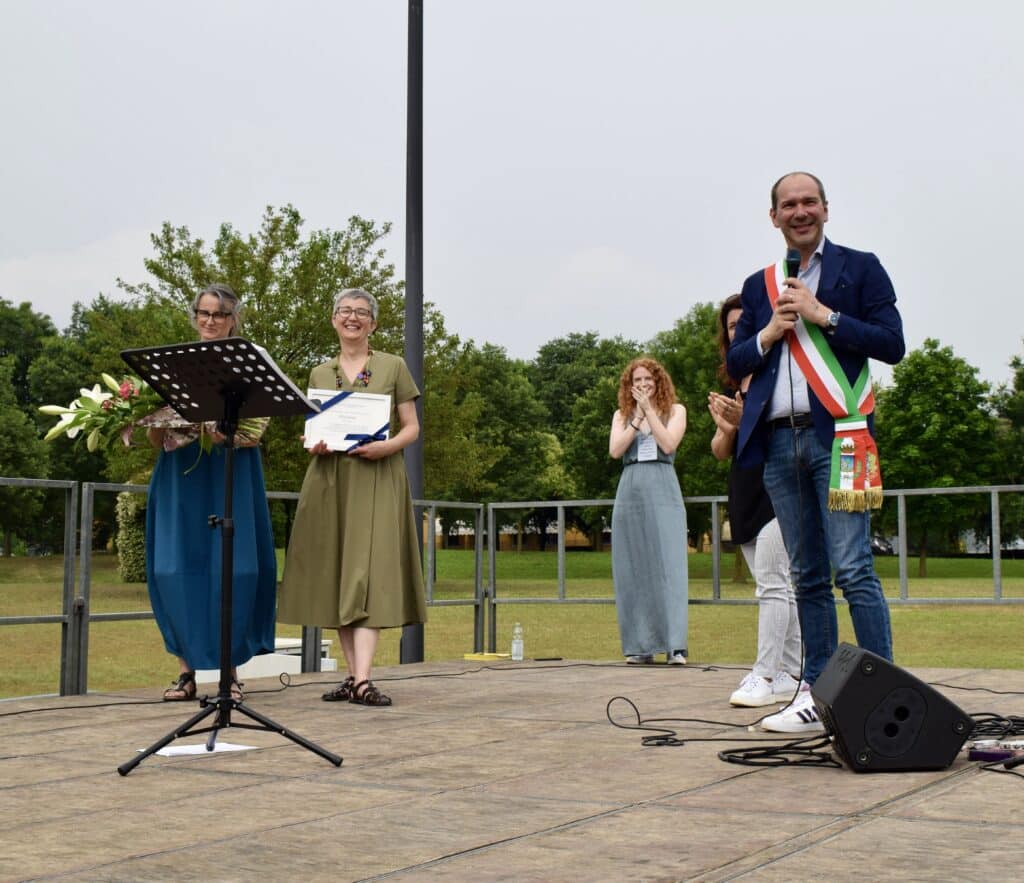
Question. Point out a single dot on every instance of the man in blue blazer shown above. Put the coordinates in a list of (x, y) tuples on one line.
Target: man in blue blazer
[(785, 425)]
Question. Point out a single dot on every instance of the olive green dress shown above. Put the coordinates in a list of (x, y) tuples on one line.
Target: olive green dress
[(353, 558)]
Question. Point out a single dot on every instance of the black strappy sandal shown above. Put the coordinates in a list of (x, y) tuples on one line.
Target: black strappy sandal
[(341, 693), (185, 685), (370, 695)]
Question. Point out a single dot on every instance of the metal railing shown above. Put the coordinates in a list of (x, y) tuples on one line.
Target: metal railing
[(87, 617), (70, 619), (491, 592), (996, 532), (75, 616), (78, 615), (716, 502)]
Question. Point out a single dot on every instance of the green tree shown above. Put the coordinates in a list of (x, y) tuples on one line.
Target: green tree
[(22, 455), (511, 423), (22, 335), (568, 367), (91, 345), (1009, 406), (566, 374), (935, 429), (288, 281), (456, 458), (1010, 400), (689, 352), (595, 473), (512, 429)]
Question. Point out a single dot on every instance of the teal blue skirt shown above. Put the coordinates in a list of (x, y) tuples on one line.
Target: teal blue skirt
[(183, 556)]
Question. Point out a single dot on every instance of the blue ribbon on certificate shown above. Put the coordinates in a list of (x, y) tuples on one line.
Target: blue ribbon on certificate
[(332, 401), (362, 438)]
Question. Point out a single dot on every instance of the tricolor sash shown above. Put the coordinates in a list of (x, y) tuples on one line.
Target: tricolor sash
[(855, 483)]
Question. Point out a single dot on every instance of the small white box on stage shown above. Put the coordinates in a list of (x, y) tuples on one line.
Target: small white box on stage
[(287, 657)]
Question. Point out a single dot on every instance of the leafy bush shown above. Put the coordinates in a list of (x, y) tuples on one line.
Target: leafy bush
[(131, 537)]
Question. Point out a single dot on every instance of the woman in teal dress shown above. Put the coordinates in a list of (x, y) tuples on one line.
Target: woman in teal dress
[(648, 519), (353, 559), (183, 554)]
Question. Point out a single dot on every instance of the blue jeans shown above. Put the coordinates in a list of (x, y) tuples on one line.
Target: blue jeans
[(796, 477)]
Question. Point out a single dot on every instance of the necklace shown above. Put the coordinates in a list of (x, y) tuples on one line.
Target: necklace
[(362, 378)]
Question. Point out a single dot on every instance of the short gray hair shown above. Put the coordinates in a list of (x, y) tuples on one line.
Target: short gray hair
[(229, 303), (356, 294)]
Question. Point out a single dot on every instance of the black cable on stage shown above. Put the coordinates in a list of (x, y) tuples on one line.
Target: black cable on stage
[(798, 752), (76, 707), (988, 725), (286, 683), (1003, 767), (977, 689)]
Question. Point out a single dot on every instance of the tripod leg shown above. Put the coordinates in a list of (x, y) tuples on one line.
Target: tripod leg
[(224, 706), (126, 768), (288, 734)]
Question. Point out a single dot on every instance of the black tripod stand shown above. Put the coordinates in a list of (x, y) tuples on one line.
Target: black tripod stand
[(224, 379)]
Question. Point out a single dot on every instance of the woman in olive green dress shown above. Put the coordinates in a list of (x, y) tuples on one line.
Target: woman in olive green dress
[(353, 559)]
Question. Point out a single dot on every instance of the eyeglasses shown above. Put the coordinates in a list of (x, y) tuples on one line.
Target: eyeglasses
[(360, 312), (217, 315)]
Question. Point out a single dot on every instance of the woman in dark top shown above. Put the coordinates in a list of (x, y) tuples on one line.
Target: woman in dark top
[(755, 529)]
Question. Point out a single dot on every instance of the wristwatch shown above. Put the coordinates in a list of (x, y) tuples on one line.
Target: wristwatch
[(832, 321)]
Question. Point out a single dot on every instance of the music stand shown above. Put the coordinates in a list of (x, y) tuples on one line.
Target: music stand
[(221, 380)]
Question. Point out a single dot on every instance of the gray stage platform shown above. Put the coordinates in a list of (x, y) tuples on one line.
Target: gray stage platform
[(507, 773)]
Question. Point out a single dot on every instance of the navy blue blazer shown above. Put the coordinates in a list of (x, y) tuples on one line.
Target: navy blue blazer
[(854, 284)]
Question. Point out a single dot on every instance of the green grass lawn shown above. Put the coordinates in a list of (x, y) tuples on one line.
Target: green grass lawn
[(131, 654)]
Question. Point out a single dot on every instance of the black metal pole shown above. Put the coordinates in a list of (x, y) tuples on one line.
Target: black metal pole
[(227, 427), (411, 648)]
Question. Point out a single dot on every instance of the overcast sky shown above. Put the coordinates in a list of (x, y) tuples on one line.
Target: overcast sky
[(589, 165)]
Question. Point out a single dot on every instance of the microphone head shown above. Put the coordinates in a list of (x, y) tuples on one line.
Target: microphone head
[(792, 262)]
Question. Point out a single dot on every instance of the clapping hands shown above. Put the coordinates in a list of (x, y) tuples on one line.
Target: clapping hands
[(726, 412)]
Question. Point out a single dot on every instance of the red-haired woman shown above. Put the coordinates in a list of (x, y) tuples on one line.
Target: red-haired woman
[(755, 529), (649, 520)]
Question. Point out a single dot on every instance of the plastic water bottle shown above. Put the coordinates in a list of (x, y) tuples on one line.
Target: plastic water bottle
[(517, 643)]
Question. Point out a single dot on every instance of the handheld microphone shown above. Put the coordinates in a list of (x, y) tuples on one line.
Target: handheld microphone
[(793, 263)]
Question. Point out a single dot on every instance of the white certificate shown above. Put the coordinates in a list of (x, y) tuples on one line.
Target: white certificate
[(347, 419)]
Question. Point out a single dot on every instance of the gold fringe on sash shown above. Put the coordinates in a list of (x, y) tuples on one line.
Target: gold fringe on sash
[(854, 501)]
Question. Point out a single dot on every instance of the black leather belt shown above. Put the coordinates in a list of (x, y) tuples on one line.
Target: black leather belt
[(797, 421)]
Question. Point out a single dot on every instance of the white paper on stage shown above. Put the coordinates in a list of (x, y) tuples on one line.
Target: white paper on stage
[(347, 419), (181, 750)]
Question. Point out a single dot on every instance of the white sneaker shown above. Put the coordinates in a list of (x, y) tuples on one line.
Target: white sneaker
[(799, 717), (676, 657), (640, 659), (784, 686), (753, 692)]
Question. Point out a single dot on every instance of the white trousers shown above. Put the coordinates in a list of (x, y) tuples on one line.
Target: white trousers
[(778, 625)]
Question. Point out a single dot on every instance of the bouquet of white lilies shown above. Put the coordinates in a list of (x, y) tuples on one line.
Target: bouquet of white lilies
[(103, 416)]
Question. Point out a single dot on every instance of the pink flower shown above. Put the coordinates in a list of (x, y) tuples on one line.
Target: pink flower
[(126, 389), (106, 404)]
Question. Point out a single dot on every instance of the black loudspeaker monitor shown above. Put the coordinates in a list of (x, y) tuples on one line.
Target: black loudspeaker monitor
[(883, 719)]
